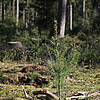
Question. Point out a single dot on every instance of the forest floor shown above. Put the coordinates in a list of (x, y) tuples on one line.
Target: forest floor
[(32, 77)]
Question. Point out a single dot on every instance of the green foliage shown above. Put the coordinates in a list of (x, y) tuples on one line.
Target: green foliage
[(90, 51), (91, 15), (72, 1), (16, 54), (33, 76), (7, 30), (60, 63)]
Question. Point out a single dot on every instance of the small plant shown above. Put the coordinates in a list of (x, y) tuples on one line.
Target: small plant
[(60, 67), (60, 62), (33, 76)]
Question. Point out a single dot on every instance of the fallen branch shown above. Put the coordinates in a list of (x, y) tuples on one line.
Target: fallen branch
[(83, 96), (45, 92), (27, 96)]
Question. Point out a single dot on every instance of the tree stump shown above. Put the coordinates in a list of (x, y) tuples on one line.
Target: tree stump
[(15, 44)]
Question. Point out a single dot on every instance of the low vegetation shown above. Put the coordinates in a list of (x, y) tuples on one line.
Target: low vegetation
[(75, 60), (79, 80)]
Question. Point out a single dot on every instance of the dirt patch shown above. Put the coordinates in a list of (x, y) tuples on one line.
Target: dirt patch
[(19, 74), (40, 81), (27, 69)]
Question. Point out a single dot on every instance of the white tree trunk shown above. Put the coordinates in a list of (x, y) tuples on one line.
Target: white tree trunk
[(17, 15), (70, 16), (26, 20), (62, 17), (83, 11), (27, 13)]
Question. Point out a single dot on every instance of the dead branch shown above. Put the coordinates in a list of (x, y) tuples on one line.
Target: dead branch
[(83, 96), (27, 96), (46, 92)]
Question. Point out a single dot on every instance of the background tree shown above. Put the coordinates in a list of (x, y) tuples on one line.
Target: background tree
[(1, 11), (70, 16), (83, 11), (17, 15), (13, 8), (40, 15), (62, 17)]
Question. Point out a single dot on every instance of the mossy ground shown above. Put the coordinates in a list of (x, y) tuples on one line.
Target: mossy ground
[(82, 79)]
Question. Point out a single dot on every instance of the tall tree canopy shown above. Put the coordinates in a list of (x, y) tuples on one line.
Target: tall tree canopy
[(30, 15)]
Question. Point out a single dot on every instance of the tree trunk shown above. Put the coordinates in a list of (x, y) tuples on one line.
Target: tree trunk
[(4, 9), (27, 13), (17, 16), (26, 19), (13, 8), (98, 5), (23, 15), (70, 16), (83, 11), (62, 17), (0, 11)]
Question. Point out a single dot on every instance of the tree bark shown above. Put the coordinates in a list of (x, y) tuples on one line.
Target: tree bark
[(0, 11), (13, 8), (23, 15), (4, 9), (83, 11), (70, 16), (27, 13), (17, 16), (62, 17)]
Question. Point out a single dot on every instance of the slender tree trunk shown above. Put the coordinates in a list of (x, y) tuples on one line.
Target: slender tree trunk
[(32, 15), (17, 15), (27, 13), (24, 6), (0, 16), (26, 22), (70, 16), (0, 11), (98, 5), (23, 15), (83, 11), (4, 9), (62, 17), (13, 8)]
